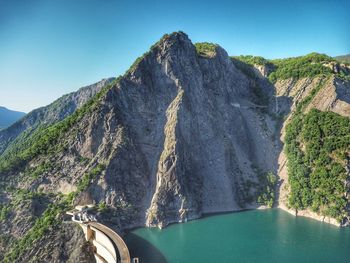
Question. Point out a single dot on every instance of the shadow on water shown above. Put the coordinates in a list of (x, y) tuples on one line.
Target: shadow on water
[(144, 250)]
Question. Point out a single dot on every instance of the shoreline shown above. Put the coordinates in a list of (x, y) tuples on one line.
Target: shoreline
[(301, 213), (312, 215)]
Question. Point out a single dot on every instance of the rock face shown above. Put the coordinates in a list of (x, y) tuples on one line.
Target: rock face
[(52, 113), (66, 243), (178, 136), (183, 133), (335, 96)]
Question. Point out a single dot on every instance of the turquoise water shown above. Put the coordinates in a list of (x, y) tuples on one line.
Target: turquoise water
[(252, 236)]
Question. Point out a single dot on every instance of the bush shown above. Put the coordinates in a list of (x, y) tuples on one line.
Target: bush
[(317, 174), (253, 60), (88, 177), (206, 49), (267, 193), (45, 140), (300, 67), (102, 207), (4, 212), (41, 226)]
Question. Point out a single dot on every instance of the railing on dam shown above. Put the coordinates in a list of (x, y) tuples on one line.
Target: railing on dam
[(120, 248), (109, 247)]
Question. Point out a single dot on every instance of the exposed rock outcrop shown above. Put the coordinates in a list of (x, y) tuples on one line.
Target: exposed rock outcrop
[(178, 136), (64, 243), (332, 96)]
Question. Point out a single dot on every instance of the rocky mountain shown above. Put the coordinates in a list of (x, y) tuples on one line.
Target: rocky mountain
[(44, 116), (186, 131), (8, 117)]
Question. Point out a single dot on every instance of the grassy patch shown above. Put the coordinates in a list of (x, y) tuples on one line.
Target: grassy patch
[(206, 49)]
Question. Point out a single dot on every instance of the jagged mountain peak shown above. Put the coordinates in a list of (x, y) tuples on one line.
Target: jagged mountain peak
[(168, 46), (175, 47), (186, 131)]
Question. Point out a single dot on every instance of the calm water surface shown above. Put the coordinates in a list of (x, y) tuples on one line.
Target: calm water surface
[(252, 236)]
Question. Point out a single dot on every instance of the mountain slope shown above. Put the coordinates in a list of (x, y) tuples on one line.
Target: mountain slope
[(8, 117), (161, 145), (345, 58), (307, 90), (56, 111), (186, 131)]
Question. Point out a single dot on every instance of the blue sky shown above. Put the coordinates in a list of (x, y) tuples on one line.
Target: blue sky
[(49, 48)]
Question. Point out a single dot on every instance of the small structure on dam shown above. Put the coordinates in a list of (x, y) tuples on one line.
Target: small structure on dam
[(109, 247)]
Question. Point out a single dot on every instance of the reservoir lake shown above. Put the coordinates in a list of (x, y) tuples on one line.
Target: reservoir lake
[(270, 235)]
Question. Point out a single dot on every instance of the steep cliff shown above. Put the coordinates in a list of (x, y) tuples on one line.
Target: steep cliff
[(186, 131)]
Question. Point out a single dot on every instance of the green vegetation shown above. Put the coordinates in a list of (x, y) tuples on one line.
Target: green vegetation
[(260, 98), (102, 207), (4, 212), (136, 63), (88, 177), (300, 67), (140, 59), (39, 170), (51, 216), (18, 196), (206, 49), (45, 140), (246, 68), (267, 193), (264, 189), (310, 65), (43, 224), (253, 60), (317, 147)]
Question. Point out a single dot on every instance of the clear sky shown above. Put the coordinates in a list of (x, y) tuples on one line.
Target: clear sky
[(49, 48)]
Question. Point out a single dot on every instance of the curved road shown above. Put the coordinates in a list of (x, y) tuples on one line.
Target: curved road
[(116, 239)]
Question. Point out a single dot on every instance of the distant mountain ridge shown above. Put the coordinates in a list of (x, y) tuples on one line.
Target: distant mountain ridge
[(8, 117), (186, 131), (343, 58), (52, 113)]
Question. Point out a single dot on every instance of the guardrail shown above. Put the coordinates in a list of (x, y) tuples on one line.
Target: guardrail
[(109, 247)]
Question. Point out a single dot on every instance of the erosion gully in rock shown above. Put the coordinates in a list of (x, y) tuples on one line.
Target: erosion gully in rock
[(180, 135)]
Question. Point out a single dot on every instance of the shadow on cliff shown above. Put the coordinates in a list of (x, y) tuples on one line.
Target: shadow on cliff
[(144, 250), (343, 92), (279, 108)]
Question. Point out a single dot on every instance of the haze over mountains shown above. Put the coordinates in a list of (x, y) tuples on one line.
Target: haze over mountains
[(344, 58), (187, 130), (51, 113), (8, 117)]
